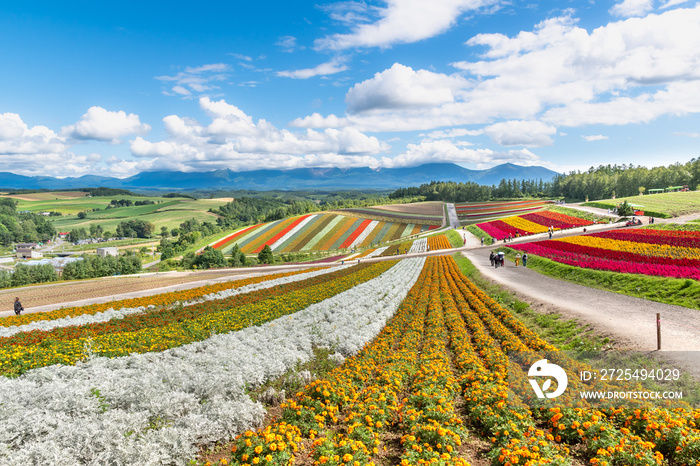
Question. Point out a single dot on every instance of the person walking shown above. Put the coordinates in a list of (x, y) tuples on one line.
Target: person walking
[(517, 259), (482, 240), (524, 259), (491, 258), (18, 306), (550, 234)]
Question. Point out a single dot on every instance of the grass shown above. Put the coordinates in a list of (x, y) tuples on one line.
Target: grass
[(658, 205), (455, 239), (580, 214), (566, 334), (479, 233), (676, 291)]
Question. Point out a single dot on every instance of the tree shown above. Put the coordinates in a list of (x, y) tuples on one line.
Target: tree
[(210, 258), (625, 210), (265, 256), (238, 258), (82, 215)]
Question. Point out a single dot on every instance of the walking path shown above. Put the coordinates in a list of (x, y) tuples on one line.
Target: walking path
[(452, 214), (627, 320)]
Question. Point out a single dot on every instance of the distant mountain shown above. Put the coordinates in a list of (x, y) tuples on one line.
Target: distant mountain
[(297, 179)]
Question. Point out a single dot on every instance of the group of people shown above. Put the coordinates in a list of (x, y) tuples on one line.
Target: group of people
[(499, 259)]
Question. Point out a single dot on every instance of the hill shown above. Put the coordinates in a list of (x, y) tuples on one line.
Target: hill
[(301, 178)]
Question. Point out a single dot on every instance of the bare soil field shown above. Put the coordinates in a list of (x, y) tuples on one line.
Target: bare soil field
[(421, 208), (47, 294), (47, 196)]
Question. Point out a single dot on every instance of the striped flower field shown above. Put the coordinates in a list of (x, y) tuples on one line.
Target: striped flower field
[(529, 224), (318, 232), (666, 253), (477, 211), (424, 369)]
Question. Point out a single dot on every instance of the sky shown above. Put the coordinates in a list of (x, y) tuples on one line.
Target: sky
[(118, 88)]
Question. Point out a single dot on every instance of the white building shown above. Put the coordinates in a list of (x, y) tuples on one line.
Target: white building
[(104, 252)]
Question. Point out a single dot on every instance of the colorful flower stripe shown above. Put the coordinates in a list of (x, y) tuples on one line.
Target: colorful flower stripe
[(254, 239), (576, 221), (341, 230), (311, 244), (496, 204), (229, 239), (557, 224), (162, 299), (568, 249), (437, 242), (612, 265), (288, 237), (664, 237), (125, 318), (286, 226), (662, 250), (107, 408), (18, 359), (367, 225), (373, 235), (522, 225)]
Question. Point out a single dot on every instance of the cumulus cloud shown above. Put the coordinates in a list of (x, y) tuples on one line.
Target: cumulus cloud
[(316, 120), (235, 140), (104, 125), (455, 133), (595, 137), (521, 133), (402, 87), (441, 151), (196, 80), (632, 8), (324, 69), (399, 22)]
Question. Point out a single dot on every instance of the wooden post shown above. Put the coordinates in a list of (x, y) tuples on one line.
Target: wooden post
[(658, 331)]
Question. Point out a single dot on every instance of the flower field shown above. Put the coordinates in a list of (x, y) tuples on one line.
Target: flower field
[(426, 367), (529, 224), (321, 232), (437, 374), (394, 216), (156, 405), (477, 211), (666, 253)]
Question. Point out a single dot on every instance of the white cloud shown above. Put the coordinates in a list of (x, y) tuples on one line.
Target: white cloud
[(197, 80), (324, 69), (400, 22), (632, 8), (686, 134), (402, 87), (104, 125), (454, 133), (445, 151), (316, 120), (671, 3), (595, 137), (16, 138), (288, 43), (521, 133), (234, 140)]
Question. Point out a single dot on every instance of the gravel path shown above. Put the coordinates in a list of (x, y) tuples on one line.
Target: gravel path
[(627, 320)]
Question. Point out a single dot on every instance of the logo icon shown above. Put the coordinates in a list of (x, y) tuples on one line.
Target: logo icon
[(544, 369)]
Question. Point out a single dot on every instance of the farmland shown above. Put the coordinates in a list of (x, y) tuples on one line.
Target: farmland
[(424, 372), (168, 212), (660, 205), (319, 232), (473, 212)]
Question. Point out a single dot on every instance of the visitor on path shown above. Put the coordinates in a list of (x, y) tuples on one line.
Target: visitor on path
[(510, 237), (524, 259), (482, 240), (502, 258), (492, 256), (550, 235), (18, 306), (517, 259)]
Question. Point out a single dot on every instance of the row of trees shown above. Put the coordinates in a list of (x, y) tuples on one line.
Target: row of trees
[(23, 227), (602, 182), (98, 266)]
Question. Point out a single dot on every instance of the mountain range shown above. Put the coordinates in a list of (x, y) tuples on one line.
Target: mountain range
[(296, 179)]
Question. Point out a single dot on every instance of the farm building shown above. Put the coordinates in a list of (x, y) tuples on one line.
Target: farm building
[(27, 251), (104, 252)]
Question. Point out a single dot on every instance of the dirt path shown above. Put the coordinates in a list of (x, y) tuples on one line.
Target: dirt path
[(629, 321)]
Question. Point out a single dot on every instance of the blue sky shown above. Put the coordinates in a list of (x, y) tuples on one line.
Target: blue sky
[(117, 88)]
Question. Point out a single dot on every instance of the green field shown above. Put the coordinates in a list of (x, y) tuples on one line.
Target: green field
[(166, 212), (667, 204)]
